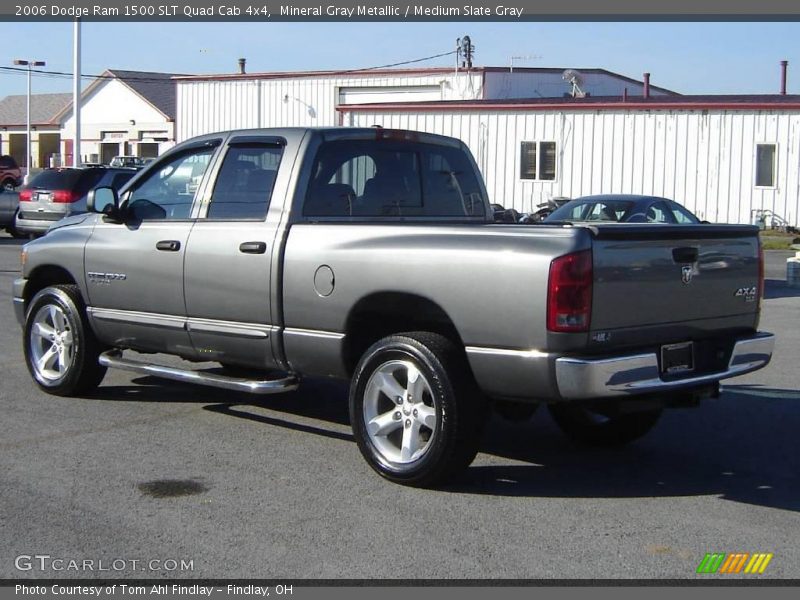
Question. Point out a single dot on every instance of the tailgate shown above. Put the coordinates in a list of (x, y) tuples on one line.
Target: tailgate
[(675, 279)]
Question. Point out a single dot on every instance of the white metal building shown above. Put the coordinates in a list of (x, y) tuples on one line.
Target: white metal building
[(723, 157), (217, 102), (727, 158)]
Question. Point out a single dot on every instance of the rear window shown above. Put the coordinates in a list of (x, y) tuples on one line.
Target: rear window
[(610, 210), (8, 162), (386, 178), (77, 180)]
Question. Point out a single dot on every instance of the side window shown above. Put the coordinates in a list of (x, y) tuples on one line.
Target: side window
[(245, 181), (538, 161), (364, 178), (682, 215), (392, 179), (450, 187), (765, 165), (169, 191), (659, 213)]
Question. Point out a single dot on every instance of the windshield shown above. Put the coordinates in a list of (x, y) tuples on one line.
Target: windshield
[(605, 210)]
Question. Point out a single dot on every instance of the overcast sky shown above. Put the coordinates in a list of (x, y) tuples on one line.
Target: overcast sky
[(691, 58)]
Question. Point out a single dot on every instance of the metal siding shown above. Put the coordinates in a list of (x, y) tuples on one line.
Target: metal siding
[(703, 159)]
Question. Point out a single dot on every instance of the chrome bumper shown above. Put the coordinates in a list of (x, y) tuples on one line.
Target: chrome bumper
[(580, 378)]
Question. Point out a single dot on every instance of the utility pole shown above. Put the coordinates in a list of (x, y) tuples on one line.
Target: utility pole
[(466, 50), (76, 93), (30, 64)]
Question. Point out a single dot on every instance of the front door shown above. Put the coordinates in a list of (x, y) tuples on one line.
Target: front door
[(134, 269), (229, 256)]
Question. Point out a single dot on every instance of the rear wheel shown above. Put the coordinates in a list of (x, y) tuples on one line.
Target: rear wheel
[(61, 351), (602, 425), (415, 412), (12, 229), (9, 184)]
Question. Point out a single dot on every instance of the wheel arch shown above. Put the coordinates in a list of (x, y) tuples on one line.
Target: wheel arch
[(44, 276), (380, 314)]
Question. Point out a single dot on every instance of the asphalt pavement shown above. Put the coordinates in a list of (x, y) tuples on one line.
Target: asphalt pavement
[(144, 470)]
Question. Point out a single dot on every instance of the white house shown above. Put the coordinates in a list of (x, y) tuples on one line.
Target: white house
[(122, 113)]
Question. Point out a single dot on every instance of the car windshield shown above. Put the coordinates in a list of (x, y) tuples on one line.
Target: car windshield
[(605, 210)]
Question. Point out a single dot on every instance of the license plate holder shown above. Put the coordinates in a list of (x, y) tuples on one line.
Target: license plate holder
[(677, 358)]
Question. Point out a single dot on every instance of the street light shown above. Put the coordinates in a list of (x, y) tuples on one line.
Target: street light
[(30, 64)]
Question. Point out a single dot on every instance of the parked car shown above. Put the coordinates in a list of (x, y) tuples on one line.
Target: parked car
[(9, 205), (54, 194), (10, 173), (372, 255), (131, 162), (623, 208)]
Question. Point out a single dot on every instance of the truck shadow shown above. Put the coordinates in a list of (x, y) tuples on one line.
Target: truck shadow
[(743, 447), (778, 288)]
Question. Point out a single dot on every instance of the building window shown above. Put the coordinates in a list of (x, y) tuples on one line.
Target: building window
[(765, 165), (538, 161)]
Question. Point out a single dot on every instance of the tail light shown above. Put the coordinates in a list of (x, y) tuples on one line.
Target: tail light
[(25, 196), (65, 196), (569, 293)]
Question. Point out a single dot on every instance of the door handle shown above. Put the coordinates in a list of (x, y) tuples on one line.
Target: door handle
[(253, 247), (168, 245), (684, 255)]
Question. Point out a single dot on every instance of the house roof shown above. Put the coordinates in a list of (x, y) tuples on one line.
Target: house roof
[(44, 108), (676, 102), (404, 71), (157, 89)]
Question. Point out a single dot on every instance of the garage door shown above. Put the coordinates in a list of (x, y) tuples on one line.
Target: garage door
[(383, 94)]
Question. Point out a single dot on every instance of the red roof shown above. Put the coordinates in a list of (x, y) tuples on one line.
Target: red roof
[(694, 102)]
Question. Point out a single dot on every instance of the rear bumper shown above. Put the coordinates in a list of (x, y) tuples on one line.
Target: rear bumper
[(32, 225), (584, 378)]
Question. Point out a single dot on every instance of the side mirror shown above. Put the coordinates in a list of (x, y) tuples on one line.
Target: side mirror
[(103, 200)]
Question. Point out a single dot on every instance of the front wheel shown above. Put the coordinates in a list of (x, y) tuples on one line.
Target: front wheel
[(60, 348), (415, 412), (602, 425)]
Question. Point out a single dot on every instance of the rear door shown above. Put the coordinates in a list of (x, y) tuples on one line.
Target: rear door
[(228, 270), (673, 281), (134, 270)]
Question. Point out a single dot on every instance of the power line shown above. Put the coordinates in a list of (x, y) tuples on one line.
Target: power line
[(163, 81)]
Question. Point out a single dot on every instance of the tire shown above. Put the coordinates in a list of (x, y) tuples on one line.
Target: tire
[(13, 231), (441, 412), (515, 412), (72, 366), (602, 427), (9, 184)]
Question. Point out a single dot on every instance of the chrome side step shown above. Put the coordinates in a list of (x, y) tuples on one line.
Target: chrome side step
[(114, 360)]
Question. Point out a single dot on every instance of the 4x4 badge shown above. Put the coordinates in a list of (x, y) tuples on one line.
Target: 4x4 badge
[(686, 274)]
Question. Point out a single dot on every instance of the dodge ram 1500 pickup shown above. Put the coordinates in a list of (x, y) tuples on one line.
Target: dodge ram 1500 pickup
[(372, 255)]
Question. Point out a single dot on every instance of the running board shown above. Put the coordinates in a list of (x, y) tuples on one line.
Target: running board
[(113, 359)]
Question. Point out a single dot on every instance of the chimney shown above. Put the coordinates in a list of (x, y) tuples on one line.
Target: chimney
[(784, 65), (646, 88), (242, 62)]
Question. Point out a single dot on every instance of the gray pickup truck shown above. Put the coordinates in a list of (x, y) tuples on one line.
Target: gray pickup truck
[(371, 255)]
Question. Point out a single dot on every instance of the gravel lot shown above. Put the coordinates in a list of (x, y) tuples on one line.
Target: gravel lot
[(278, 489)]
